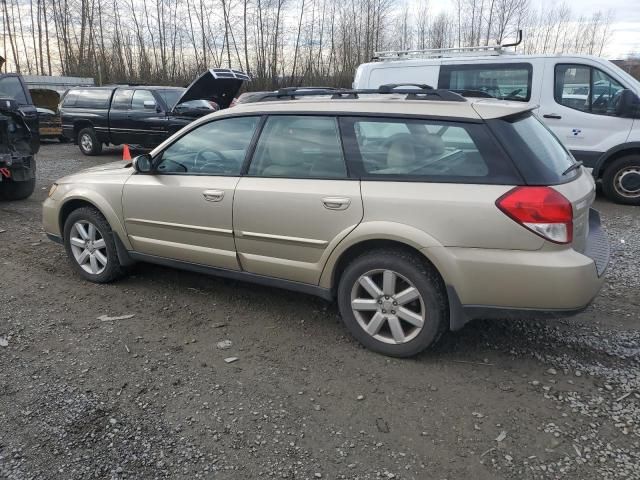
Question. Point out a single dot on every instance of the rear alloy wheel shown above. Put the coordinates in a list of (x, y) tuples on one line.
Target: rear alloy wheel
[(90, 246), (392, 302), (621, 180)]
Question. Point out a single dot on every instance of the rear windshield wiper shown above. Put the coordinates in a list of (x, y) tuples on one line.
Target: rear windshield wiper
[(572, 167)]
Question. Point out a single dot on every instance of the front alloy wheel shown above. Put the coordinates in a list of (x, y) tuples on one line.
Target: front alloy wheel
[(388, 306), (88, 247)]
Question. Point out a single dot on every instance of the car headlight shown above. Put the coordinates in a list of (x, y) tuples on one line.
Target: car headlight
[(53, 189)]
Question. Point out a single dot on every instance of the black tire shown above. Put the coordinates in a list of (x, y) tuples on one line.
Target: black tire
[(88, 142), (112, 270), (12, 190), (423, 277), (624, 167)]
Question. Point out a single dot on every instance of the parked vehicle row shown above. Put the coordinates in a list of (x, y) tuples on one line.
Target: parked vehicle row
[(417, 210), (143, 115)]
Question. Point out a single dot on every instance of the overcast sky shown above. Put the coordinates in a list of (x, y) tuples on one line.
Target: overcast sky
[(626, 25)]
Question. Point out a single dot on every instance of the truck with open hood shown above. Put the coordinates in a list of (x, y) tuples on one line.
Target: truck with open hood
[(143, 115), (19, 140)]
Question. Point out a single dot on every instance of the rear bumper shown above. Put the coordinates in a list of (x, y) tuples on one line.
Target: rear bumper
[(484, 283)]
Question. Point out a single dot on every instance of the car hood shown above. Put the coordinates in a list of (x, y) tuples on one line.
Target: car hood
[(220, 85), (114, 169)]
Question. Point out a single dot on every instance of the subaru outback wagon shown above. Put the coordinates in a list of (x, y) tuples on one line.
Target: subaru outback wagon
[(418, 210)]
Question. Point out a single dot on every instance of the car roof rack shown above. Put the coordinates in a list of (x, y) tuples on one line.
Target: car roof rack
[(451, 52), (415, 91)]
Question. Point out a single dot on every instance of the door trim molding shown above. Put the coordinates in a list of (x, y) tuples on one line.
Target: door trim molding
[(283, 238), (178, 226)]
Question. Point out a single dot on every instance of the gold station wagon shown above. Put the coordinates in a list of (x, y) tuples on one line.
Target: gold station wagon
[(416, 208)]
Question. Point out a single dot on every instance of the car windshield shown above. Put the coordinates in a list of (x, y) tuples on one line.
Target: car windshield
[(527, 139), (171, 96)]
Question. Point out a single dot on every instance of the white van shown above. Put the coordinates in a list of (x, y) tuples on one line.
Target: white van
[(591, 104)]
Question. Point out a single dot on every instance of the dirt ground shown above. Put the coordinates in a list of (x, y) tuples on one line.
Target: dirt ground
[(152, 397)]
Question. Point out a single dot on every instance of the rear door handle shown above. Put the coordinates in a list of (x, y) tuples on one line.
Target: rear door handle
[(336, 203), (552, 115), (213, 195)]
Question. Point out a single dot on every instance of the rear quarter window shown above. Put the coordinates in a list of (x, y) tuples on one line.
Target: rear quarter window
[(537, 152), (425, 150)]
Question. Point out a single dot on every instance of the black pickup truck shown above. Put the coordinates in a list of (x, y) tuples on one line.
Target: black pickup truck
[(19, 139), (143, 115)]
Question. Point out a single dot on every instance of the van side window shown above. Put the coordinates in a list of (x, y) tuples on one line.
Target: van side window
[(506, 81), (585, 88), (424, 150)]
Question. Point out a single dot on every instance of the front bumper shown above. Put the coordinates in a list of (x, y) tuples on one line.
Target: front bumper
[(484, 283)]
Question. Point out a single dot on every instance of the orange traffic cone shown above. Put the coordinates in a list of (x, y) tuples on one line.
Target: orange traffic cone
[(126, 154)]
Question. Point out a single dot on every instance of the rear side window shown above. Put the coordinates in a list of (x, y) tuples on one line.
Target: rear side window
[(12, 87), (299, 147), (142, 97), (538, 153), (507, 81), (426, 150), (122, 99), (87, 98)]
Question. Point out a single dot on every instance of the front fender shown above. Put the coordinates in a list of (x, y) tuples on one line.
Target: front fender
[(104, 201)]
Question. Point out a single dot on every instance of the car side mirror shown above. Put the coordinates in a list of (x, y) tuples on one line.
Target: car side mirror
[(8, 104), (149, 105), (142, 163), (628, 104)]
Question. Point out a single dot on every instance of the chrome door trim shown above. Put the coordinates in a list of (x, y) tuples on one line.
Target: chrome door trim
[(283, 238), (179, 226)]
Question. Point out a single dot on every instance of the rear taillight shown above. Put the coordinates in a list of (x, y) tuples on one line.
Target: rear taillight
[(543, 210)]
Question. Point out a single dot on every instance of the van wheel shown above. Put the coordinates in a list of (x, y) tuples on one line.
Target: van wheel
[(88, 142), (392, 302), (90, 246), (621, 180)]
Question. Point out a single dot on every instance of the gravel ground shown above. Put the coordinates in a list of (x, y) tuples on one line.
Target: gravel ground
[(150, 396)]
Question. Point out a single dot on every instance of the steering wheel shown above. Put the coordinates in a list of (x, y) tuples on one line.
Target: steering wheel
[(599, 101), (514, 93), (204, 160)]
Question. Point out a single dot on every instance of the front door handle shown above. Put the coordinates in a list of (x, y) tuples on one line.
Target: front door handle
[(213, 195), (552, 115), (336, 203)]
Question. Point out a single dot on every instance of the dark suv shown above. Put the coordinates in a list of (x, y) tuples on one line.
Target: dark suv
[(19, 140), (143, 115)]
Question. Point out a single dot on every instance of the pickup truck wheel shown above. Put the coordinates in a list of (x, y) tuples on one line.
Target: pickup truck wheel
[(90, 246), (392, 302), (12, 190), (621, 180), (88, 142)]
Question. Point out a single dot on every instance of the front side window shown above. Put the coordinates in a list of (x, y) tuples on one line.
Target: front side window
[(299, 147), (12, 87), (510, 81), (143, 99), (425, 150), (586, 88), (122, 99), (214, 148)]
